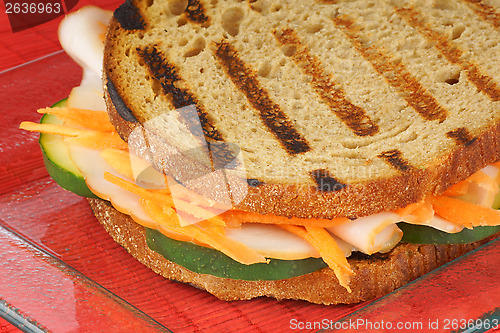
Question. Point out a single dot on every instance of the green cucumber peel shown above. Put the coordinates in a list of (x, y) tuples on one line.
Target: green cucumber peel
[(204, 260), (57, 161), (60, 104), (421, 234)]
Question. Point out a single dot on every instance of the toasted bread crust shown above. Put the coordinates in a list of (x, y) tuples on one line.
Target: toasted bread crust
[(373, 277), (354, 200)]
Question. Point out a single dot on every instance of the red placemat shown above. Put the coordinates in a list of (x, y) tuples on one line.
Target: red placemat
[(6, 327), (30, 44)]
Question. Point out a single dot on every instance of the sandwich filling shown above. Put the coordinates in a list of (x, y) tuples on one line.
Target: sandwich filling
[(92, 149)]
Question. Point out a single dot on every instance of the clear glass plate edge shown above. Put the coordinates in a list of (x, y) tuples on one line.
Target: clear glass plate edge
[(26, 324), (16, 318)]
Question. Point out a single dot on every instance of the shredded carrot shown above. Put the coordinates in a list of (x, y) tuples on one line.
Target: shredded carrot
[(465, 213), (167, 216), (99, 140), (96, 120), (52, 129), (235, 218), (220, 229), (165, 199), (457, 189), (233, 249), (163, 214), (328, 249), (418, 212), (179, 237), (136, 189), (198, 212), (84, 137)]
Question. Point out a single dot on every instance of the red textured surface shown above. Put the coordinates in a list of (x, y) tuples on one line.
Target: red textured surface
[(27, 45), (83, 277), (6, 327)]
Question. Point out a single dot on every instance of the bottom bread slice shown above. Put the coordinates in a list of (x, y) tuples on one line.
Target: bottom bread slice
[(374, 275)]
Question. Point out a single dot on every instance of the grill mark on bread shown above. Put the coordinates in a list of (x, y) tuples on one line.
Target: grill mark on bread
[(395, 159), (486, 12), (271, 114), (167, 74), (394, 72), (461, 136), (352, 115), (254, 182), (195, 12), (129, 16), (121, 108), (325, 182), (452, 52)]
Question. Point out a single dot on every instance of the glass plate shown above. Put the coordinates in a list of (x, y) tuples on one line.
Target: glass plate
[(60, 271)]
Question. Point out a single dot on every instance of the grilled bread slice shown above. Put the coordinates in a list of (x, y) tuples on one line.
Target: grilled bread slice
[(338, 108)]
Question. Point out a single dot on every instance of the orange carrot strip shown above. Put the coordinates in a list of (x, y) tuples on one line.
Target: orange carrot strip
[(198, 212), (52, 129), (457, 189), (328, 249), (233, 249), (219, 229), (237, 217), (99, 140), (165, 199), (418, 212), (179, 237), (465, 213), (162, 214), (96, 120), (84, 137), (324, 240), (142, 192)]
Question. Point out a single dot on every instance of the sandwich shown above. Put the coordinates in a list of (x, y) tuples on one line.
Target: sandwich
[(325, 151)]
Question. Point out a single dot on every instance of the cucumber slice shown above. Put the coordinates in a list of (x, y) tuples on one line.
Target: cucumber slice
[(57, 161), (60, 104), (420, 234), (203, 260)]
